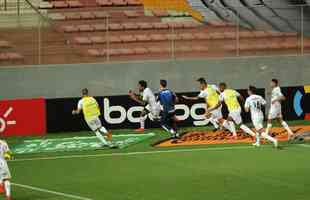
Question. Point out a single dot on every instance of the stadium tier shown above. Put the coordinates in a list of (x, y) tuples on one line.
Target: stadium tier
[(83, 31)]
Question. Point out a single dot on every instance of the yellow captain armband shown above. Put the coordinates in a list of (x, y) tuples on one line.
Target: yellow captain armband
[(8, 155)]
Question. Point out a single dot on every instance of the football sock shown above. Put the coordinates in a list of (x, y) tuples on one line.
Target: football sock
[(287, 128), (233, 128), (101, 138), (7, 188), (269, 125), (268, 137), (103, 130), (142, 122), (214, 122), (257, 138), (247, 130)]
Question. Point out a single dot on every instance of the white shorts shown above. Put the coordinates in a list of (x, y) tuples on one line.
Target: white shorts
[(4, 170), (94, 124), (217, 113), (275, 112), (154, 111), (236, 116), (258, 122)]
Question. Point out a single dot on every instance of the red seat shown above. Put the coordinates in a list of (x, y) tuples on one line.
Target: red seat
[(95, 52), (190, 24), (140, 50), (87, 15), (101, 14), (217, 35), (114, 52), (60, 4), (4, 44), (131, 14), (200, 48), (75, 4), (82, 40), (158, 37), (143, 38), (260, 34), (127, 38), (4, 57), (134, 2), (217, 23), (274, 45), (160, 13), (56, 16), (70, 29), (114, 39), (97, 40), (127, 51), (130, 26), (115, 27), (145, 25), (14, 56), (202, 36), (246, 34), (274, 34), (99, 27), (290, 34), (104, 3), (184, 49), (175, 24), (72, 16), (159, 49), (85, 28), (187, 36), (230, 47), (119, 2), (160, 25), (230, 35), (173, 37)]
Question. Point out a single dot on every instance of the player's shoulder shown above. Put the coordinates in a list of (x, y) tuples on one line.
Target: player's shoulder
[(277, 89)]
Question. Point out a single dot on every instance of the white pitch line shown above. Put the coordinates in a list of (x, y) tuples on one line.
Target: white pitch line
[(50, 192), (133, 153), (304, 145), (8, 112)]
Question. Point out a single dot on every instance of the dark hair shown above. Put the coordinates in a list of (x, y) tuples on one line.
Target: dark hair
[(143, 83), (252, 89), (84, 91), (163, 83), (275, 81), (202, 80), (222, 84)]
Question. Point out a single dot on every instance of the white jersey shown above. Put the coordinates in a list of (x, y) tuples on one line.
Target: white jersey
[(255, 103), (4, 148), (149, 97), (275, 94)]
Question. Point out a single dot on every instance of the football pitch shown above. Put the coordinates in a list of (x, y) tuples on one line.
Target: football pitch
[(144, 172)]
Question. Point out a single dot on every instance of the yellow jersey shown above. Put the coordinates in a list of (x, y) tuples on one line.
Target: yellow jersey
[(230, 97), (210, 95), (90, 108)]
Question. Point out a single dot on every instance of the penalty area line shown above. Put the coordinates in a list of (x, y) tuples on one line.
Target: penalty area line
[(133, 153), (50, 192)]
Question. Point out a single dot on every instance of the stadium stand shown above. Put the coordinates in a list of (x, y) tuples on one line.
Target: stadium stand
[(81, 31)]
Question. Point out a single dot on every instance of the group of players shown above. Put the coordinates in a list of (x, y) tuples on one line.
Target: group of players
[(215, 96)]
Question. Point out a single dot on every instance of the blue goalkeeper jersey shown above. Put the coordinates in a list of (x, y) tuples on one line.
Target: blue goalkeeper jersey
[(167, 100)]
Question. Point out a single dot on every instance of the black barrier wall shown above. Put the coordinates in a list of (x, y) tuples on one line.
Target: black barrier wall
[(121, 112)]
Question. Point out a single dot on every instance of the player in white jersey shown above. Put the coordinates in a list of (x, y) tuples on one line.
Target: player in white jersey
[(275, 111), (254, 104), (5, 175), (148, 100)]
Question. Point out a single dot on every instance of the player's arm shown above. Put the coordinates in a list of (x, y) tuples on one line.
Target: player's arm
[(190, 98), (215, 107), (78, 110), (280, 98), (246, 106), (175, 98), (136, 98), (239, 96)]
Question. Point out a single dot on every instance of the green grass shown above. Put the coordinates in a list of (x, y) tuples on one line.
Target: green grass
[(232, 174)]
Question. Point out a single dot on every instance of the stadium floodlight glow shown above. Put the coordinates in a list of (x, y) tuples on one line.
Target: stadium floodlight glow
[(3, 122)]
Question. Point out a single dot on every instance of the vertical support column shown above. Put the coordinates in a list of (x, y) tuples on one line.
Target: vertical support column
[(302, 30), (107, 39)]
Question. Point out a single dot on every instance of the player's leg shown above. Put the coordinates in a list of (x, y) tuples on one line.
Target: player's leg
[(271, 139), (238, 120), (273, 114), (5, 177), (142, 120), (230, 125), (258, 125), (99, 130), (7, 189), (214, 118), (286, 127)]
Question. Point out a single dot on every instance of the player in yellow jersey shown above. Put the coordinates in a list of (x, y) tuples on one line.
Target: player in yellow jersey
[(230, 98), (91, 111), (211, 95)]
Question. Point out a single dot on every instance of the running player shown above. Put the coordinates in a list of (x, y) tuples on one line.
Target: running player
[(5, 175), (275, 109), (254, 104), (91, 112), (211, 95), (148, 100), (167, 99), (230, 97)]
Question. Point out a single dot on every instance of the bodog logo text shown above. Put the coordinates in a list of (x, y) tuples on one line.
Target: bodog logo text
[(299, 98), (185, 110)]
